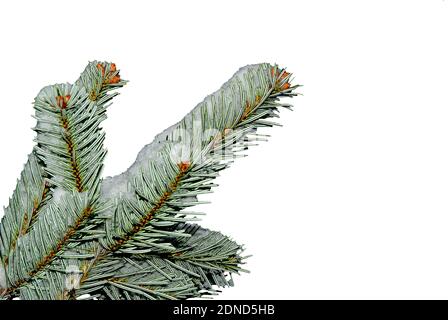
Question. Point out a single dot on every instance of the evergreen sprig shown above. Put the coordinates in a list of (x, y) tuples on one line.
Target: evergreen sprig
[(68, 234)]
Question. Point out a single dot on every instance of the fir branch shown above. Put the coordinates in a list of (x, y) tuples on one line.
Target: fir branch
[(69, 138), (31, 193), (53, 234), (130, 238), (33, 189), (68, 115), (162, 183), (169, 180)]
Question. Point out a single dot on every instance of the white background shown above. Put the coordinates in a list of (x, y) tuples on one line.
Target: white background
[(347, 200)]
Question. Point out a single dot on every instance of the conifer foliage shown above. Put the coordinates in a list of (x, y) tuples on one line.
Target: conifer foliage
[(67, 233)]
